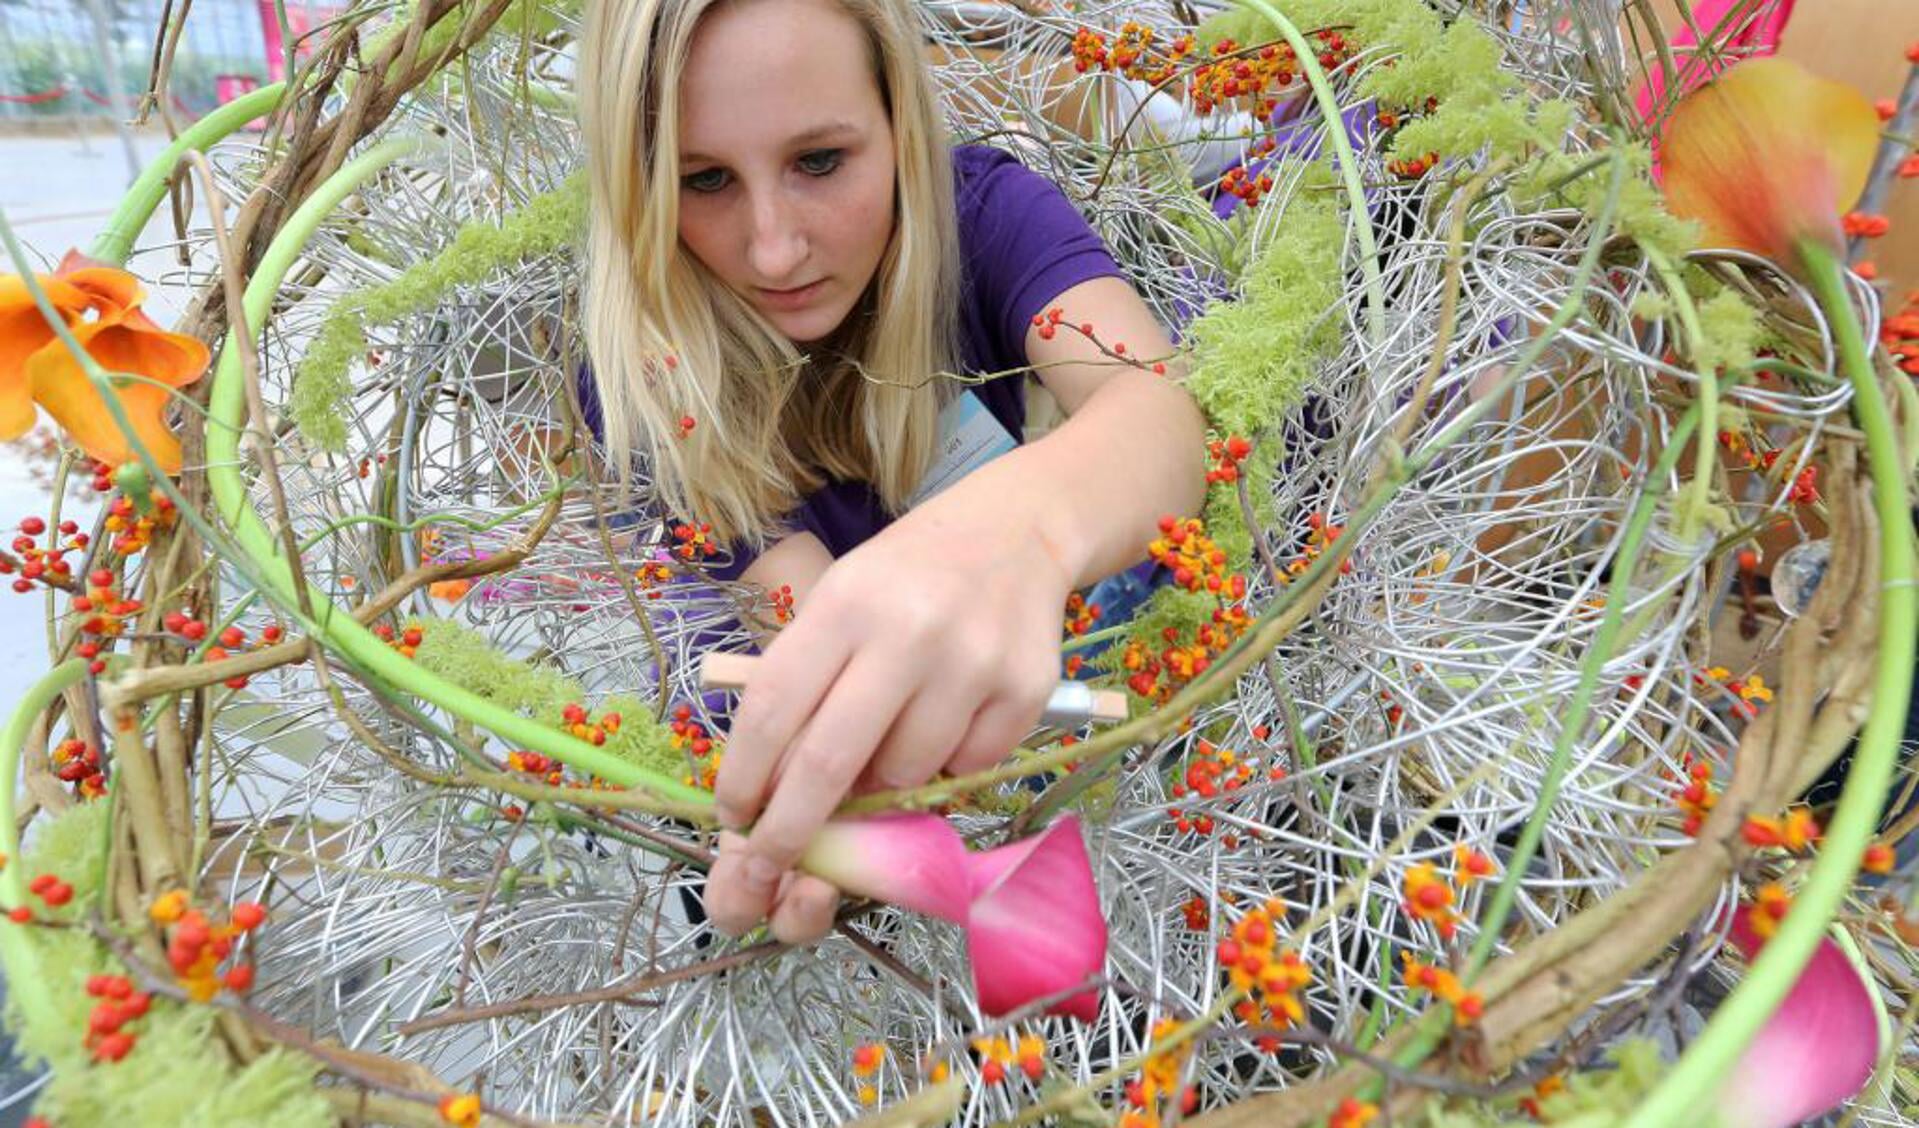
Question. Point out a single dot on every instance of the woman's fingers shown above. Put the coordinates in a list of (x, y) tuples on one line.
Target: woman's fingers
[(1002, 722), (816, 772), (805, 912), (922, 740), (787, 686)]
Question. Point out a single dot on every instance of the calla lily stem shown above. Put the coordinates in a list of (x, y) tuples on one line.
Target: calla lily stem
[(1691, 1085)]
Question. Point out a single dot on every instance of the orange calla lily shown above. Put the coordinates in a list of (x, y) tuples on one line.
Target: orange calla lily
[(1768, 156), (101, 307)]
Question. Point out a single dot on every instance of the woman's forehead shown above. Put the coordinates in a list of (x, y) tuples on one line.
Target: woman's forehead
[(775, 74)]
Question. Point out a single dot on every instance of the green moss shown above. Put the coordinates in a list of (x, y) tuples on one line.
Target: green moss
[(1593, 1098), (1252, 358), (464, 656), (1566, 180), (1729, 332), (548, 224)]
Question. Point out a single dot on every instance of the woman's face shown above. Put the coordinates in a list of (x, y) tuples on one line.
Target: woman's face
[(786, 160)]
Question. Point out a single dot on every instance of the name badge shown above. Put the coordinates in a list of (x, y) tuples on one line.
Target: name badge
[(970, 437)]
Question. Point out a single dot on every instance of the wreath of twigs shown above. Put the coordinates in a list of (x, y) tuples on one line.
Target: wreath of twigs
[(1494, 520)]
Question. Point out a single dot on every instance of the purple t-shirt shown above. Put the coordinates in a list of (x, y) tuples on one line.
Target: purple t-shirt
[(1022, 245)]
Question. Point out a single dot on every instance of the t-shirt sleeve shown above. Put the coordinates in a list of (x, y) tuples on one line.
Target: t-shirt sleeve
[(1025, 243)]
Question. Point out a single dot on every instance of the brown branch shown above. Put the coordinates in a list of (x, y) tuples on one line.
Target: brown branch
[(139, 685), (618, 991)]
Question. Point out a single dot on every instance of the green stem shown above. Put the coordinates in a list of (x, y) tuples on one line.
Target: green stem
[(116, 240), (1699, 490), (1618, 593), (24, 982), (1695, 1078), (339, 630), (1362, 221)]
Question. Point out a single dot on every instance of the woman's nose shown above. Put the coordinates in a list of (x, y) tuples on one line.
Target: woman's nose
[(776, 245)]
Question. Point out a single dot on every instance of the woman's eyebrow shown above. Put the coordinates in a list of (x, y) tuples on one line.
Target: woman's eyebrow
[(812, 135)]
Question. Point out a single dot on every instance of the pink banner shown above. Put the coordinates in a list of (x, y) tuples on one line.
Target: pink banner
[(301, 18)]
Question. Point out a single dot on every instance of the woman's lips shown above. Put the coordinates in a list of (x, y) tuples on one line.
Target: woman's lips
[(793, 299)]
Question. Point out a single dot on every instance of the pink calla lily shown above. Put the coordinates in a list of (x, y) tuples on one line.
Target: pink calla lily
[(1030, 908), (1035, 928), (1817, 1050)]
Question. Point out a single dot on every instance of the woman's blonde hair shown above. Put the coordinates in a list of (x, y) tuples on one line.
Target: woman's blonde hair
[(667, 339)]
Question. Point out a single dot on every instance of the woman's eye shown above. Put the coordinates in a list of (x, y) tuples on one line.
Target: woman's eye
[(705, 181), (820, 162)]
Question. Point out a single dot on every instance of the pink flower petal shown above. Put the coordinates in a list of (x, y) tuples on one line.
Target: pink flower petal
[(1035, 928), (1817, 1050), (911, 860)]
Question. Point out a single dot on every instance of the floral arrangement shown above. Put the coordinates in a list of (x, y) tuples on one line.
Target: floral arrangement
[(1557, 542)]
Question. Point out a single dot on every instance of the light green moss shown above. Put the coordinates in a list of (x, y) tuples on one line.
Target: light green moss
[(548, 224)]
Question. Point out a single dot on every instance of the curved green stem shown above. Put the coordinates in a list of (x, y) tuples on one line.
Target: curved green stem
[(24, 983), (1695, 1078), (1362, 220), (227, 407), (116, 240), (1699, 490)]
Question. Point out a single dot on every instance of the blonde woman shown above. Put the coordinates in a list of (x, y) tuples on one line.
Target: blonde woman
[(786, 252)]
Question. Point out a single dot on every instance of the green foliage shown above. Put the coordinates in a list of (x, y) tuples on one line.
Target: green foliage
[(1730, 334), (1596, 1098), (1580, 181), (177, 1072), (547, 224), (1253, 357), (465, 657)]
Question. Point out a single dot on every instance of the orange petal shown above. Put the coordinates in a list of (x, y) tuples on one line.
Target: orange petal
[(134, 343), (61, 386), (23, 332), (110, 284), (1769, 156)]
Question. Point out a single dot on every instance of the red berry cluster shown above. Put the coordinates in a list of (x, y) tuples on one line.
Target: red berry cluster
[(782, 598), (406, 641), (1248, 186), (133, 528), (1133, 54), (1080, 615), (1197, 564), (1270, 977), (196, 946), (1900, 333), (1226, 454), (107, 617), (703, 758), (50, 889), (107, 1035), (37, 564), (1696, 799), (583, 725), (1861, 225), (1412, 168), (367, 464), (695, 542), (1210, 772), (1158, 1082), (78, 763)]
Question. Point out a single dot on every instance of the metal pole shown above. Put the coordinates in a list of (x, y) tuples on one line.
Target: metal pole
[(116, 94)]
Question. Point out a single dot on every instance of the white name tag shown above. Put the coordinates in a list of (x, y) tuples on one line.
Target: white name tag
[(970, 437)]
